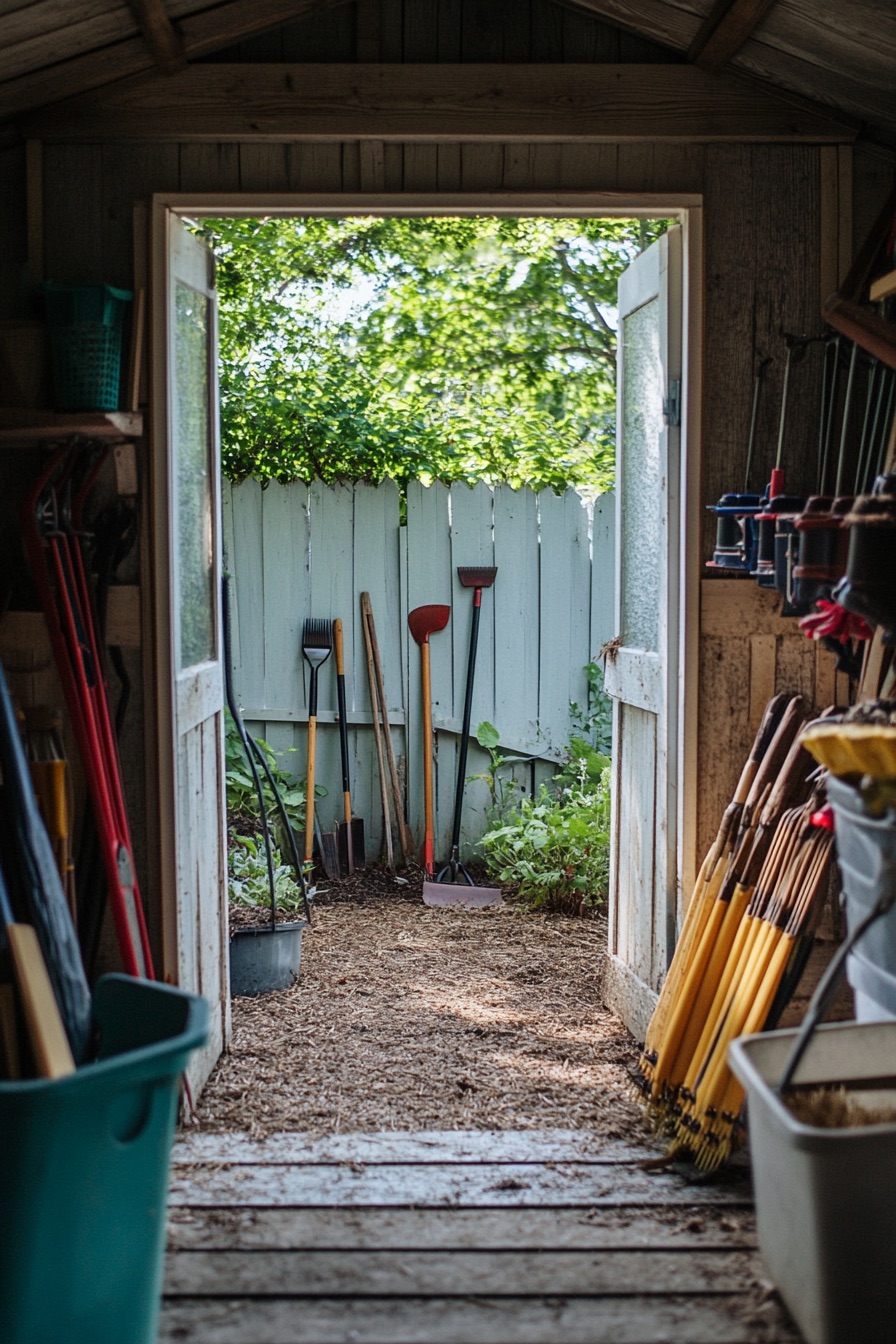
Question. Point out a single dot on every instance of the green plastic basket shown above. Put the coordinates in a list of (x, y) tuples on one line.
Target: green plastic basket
[(85, 324), (84, 1179)]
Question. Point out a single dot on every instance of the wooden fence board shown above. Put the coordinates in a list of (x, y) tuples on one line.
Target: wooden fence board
[(565, 610), (297, 552), (516, 624)]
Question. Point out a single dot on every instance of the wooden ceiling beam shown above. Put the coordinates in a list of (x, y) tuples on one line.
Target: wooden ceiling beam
[(597, 103), (165, 44), (724, 31), (201, 33)]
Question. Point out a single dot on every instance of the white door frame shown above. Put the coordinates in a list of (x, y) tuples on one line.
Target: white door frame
[(687, 210)]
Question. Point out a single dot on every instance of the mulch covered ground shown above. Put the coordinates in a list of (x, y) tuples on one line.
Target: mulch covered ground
[(412, 1018)]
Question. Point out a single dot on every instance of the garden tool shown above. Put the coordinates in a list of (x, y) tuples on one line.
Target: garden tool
[(776, 502), (384, 744), (350, 831), (54, 545), (34, 885), (317, 643), (447, 889), (423, 622), (378, 733), (735, 531)]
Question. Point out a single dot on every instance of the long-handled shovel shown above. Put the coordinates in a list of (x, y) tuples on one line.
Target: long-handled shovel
[(423, 622), (350, 831), (447, 888)]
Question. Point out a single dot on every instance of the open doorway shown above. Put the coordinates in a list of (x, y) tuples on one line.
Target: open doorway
[(456, 668)]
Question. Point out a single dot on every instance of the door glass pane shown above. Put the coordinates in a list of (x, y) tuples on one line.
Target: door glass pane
[(642, 484), (191, 447)]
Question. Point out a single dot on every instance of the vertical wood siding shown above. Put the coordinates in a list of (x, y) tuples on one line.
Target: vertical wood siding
[(295, 551)]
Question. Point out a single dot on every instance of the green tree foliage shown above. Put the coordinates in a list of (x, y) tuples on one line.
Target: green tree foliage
[(453, 349)]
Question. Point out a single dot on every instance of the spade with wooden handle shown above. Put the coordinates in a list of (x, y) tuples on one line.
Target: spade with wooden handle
[(423, 622)]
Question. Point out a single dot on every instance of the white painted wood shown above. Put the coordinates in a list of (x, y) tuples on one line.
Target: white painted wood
[(189, 690), (459, 1229), (465, 1320), (431, 1273), (465, 1146), (295, 554), (483, 1185), (642, 675), (565, 609)]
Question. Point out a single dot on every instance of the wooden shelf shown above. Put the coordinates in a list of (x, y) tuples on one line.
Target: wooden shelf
[(34, 426)]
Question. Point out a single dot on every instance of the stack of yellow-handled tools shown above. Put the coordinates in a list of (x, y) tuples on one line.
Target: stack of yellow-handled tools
[(746, 934)]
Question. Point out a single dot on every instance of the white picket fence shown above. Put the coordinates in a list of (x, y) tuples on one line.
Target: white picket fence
[(295, 552)]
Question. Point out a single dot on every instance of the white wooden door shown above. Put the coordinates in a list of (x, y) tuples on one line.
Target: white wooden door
[(187, 536), (642, 673)]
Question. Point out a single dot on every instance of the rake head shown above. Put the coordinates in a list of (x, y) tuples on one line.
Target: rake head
[(476, 576), (317, 641), (426, 621)]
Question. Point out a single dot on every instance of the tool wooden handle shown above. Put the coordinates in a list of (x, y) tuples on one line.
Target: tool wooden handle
[(404, 835), (426, 691), (46, 1033), (338, 647), (309, 798), (381, 765)]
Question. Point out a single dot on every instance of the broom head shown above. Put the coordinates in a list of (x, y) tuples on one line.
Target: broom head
[(426, 621), (476, 576)]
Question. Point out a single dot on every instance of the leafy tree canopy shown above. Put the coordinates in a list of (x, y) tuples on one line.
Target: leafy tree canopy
[(469, 349)]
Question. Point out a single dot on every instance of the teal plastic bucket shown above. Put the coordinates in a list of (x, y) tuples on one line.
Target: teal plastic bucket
[(84, 1179)]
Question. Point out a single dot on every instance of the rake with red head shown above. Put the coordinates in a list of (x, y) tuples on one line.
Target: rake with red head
[(453, 884)]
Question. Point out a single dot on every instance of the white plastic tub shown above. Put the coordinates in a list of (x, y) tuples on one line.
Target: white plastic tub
[(825, 1198)]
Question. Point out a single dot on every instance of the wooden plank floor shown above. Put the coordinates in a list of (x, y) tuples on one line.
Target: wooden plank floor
[(543, 1237)]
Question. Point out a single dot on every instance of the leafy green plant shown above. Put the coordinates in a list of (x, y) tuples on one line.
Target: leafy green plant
[(247, 876), (593, 721), (504, 789), (556, 848), (243, 812)]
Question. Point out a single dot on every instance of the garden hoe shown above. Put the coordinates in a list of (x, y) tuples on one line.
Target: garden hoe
[(453, 884), (423, 622)]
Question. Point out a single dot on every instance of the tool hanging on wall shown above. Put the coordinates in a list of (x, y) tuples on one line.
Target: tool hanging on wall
[(735, 546), (55, 550), (423, 622), (453, 884), (775, 521)]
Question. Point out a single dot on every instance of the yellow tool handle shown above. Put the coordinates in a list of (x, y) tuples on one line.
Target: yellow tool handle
[(309, 797), (337, 645)]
